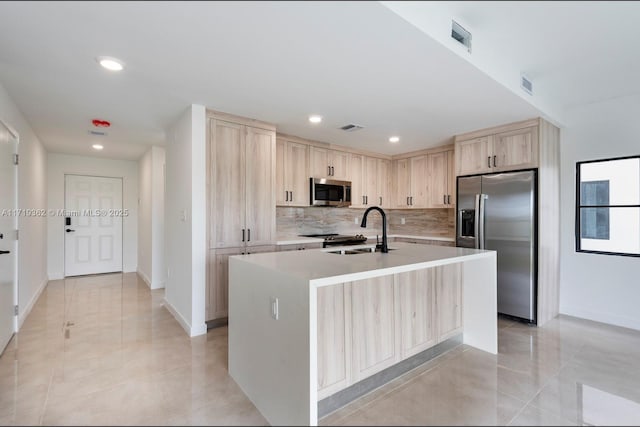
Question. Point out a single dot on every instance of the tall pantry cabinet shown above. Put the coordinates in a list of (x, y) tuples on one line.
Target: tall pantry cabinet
[(241, 190)]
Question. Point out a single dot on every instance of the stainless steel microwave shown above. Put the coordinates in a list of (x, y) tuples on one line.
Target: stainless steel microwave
[(330, 192)]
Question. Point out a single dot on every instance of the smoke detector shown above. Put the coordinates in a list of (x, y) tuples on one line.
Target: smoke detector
[(351, 127)]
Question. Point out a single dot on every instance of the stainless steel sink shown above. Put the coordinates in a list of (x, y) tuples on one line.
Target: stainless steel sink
[(357, 251)]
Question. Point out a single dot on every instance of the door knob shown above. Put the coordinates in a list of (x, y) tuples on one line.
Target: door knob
[(4, 252), (68, 230)]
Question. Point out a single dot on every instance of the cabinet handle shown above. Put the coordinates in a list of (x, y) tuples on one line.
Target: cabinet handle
[(380, 200), (243, 234), (489, 161), (445, 199), (328, 170), (407, 200), (448, 199), (291, 196), (333, 172), (494, 161), (286, 196), (366, 200), (248, 234)]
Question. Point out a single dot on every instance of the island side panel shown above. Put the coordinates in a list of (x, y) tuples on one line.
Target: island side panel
[(271, 359), (480, 306)]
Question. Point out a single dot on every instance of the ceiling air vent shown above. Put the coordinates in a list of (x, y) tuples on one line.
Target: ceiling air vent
[(351, 127), (526, 84), (97, 133), (461, 35)]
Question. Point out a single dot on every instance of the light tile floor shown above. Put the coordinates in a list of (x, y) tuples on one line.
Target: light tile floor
[(102, 350)]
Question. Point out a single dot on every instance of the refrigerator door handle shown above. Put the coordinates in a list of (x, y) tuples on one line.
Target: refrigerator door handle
[(481, 206), (476, 222)]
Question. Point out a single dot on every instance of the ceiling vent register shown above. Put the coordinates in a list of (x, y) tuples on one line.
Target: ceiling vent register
[(461, 35), (351, 127), (526, 84)]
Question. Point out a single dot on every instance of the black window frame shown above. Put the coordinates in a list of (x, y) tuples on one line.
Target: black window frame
[(579, 206)]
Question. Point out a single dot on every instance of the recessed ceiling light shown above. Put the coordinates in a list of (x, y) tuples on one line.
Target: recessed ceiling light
[(315, 118), (110, 63), (97, 147), (394, 139)]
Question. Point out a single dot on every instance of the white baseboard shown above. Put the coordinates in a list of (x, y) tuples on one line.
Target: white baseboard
[(56, 276), (145, 278), (191, 331), (24, 312), (624, 322), (158, 285)]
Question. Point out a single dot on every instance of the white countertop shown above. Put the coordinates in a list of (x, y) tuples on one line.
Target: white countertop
[(295, 240), (322, 268)]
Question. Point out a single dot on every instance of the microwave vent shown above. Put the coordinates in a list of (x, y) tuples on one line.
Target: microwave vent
[(351, 127)]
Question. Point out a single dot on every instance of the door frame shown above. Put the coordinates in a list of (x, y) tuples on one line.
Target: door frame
[(64, 238), (16, 287)]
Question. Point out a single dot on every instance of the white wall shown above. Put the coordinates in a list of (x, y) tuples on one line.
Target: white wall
[(151, 218), (185, 219), (159, 268), (144, 217), (60, 164), (32, 194), (598, 287)]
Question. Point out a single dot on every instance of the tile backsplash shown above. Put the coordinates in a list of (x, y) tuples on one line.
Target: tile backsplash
[(292, 221)]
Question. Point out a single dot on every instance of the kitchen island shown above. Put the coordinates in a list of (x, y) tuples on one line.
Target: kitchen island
[(311, 328)]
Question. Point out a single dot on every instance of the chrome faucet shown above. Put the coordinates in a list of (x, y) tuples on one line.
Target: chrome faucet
[(383, 247)]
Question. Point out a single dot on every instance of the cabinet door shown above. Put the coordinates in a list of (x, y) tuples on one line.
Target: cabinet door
[(448, 282), (319, 162), (374, 315), (334, 339), (403, 182), (297, 173), (282, 190), (384, 183), (371, 181), (227, 189), (417, 314), (438, 180), (419, 182), (472, 156), (260, 200), (339, 161), (451, 175), (356, 175), (517, 149), (218, 282)]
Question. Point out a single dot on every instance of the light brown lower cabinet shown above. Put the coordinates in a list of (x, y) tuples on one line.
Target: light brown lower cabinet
[(424, 241), (368, 325), (217, 291)]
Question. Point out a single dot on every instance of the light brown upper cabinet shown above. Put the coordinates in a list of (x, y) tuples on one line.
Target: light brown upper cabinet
[(370, 180), (411, 182), (292, 173), (502, 151), (326, 163), (242, 184), (441, 187)]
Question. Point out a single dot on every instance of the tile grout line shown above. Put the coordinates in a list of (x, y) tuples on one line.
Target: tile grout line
[(557, 374)]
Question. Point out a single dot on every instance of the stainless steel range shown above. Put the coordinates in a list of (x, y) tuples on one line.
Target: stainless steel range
[(335, 239)]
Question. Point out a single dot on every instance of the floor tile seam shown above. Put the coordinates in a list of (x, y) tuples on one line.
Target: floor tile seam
[(555, 414), (46, 399)]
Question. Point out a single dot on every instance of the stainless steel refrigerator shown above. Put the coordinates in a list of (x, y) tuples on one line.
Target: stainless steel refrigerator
[(498, 212)]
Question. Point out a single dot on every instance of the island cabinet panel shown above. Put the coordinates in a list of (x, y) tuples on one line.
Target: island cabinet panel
[(334, 339), (417, 311), (448, 287), (376, 342)]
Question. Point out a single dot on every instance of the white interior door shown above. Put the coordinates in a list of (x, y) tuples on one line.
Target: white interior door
[(8, 243), (93, 225)]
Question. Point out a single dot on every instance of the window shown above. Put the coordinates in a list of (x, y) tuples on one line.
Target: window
[(608, 206)]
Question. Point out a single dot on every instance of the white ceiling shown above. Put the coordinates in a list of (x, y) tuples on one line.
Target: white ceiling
[(351, 62)]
